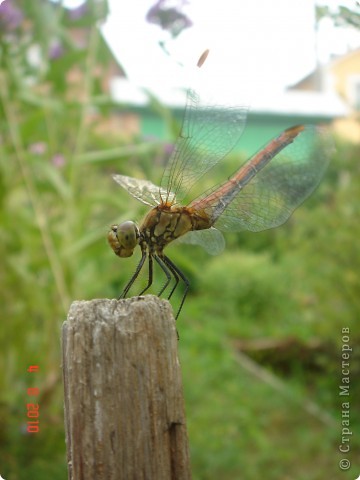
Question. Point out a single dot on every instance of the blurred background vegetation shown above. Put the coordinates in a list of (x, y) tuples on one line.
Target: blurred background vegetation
[(260, 355)]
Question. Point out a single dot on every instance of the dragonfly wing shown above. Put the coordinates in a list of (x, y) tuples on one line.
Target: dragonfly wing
[(207, 134), (143, 190), (211, 240), (274, 192)]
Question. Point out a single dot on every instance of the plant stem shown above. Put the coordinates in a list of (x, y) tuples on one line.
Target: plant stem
[(35, 199)]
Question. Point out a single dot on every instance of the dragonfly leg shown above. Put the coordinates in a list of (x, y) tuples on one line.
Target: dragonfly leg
[(150, 278), (176, 277), (177, 272), (165, 269), (134, 277)]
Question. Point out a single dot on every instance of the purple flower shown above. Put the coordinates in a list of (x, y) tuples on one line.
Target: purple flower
[(169, 148), (78, 12), (58, 160), (38, 148), (56, 50), (10, 16), (167, 14)]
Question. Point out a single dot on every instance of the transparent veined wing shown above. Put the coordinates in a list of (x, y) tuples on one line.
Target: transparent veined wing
[(208, 133), (143, 190), (268, 188), (210, 239)]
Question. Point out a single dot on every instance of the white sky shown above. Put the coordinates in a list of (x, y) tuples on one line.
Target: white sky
[(261, 44), (250, 41), (255, 44)]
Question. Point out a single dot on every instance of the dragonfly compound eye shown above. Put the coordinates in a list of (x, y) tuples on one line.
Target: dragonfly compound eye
[(127, 233), (123, 238)]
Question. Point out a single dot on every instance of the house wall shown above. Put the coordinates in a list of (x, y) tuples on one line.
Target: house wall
[(346, 75), (345, 71), (260, 128)]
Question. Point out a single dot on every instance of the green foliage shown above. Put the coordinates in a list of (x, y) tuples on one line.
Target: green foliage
[(344, 16), (296, 282), (57, 200)]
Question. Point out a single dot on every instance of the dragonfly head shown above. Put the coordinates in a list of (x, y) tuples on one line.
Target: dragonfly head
[(123, 238)]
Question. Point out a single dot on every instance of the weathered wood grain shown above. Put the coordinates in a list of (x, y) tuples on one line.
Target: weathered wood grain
[(124, 407)]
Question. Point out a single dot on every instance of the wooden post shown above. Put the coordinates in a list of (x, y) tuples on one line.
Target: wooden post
[(124, 407)]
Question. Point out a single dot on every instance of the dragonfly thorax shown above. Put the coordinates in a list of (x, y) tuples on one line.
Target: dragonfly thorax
[(124, 238), (164, 223)]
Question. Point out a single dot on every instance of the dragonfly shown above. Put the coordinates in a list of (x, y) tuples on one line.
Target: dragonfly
[(261, 194)]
